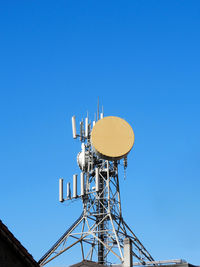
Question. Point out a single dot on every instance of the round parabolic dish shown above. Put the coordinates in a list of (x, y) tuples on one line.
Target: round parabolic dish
[(112, 138)]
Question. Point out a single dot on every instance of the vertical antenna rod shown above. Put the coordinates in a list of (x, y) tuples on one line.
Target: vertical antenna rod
[(61, 190), (74, 127), (98, 109)]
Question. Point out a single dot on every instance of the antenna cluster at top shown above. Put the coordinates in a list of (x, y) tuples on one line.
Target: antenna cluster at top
[(110, 138), (84, 131)]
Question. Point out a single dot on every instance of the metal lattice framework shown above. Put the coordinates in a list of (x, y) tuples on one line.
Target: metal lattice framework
[(100, 230)]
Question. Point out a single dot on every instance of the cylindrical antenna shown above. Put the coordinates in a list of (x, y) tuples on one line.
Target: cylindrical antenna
[(83, 151), (75, 186), (68, 191), (61, 190), (86, 127), (97, 179), (74, 127), (82, 184)]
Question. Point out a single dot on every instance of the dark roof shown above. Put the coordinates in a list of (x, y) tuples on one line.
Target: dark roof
[(16, 245), (87, 263)]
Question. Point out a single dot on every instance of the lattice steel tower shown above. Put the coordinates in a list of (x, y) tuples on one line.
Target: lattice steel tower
[(101, 229)]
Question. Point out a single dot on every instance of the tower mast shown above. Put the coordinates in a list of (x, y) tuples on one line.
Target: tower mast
[(101, 229)]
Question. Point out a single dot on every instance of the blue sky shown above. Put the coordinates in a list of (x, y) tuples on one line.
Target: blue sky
[(142, 59)]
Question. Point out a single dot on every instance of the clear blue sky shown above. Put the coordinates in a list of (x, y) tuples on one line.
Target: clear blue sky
[(142, 58)]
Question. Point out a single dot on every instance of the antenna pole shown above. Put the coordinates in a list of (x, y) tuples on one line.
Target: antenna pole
[(98, 109)]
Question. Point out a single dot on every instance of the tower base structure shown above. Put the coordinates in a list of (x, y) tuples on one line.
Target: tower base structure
[(101, 230)]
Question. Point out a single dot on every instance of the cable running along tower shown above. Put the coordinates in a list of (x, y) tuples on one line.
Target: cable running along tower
[(100, 231)]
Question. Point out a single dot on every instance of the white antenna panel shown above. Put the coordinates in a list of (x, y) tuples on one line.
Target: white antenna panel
[(86, 127), (74, 127), (82, 184), (75, 186), (61, 190)]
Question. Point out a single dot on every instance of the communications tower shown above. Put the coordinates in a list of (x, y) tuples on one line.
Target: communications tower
[(100, 231)]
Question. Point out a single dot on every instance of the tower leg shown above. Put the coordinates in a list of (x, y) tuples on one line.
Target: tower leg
[(56, 249)]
